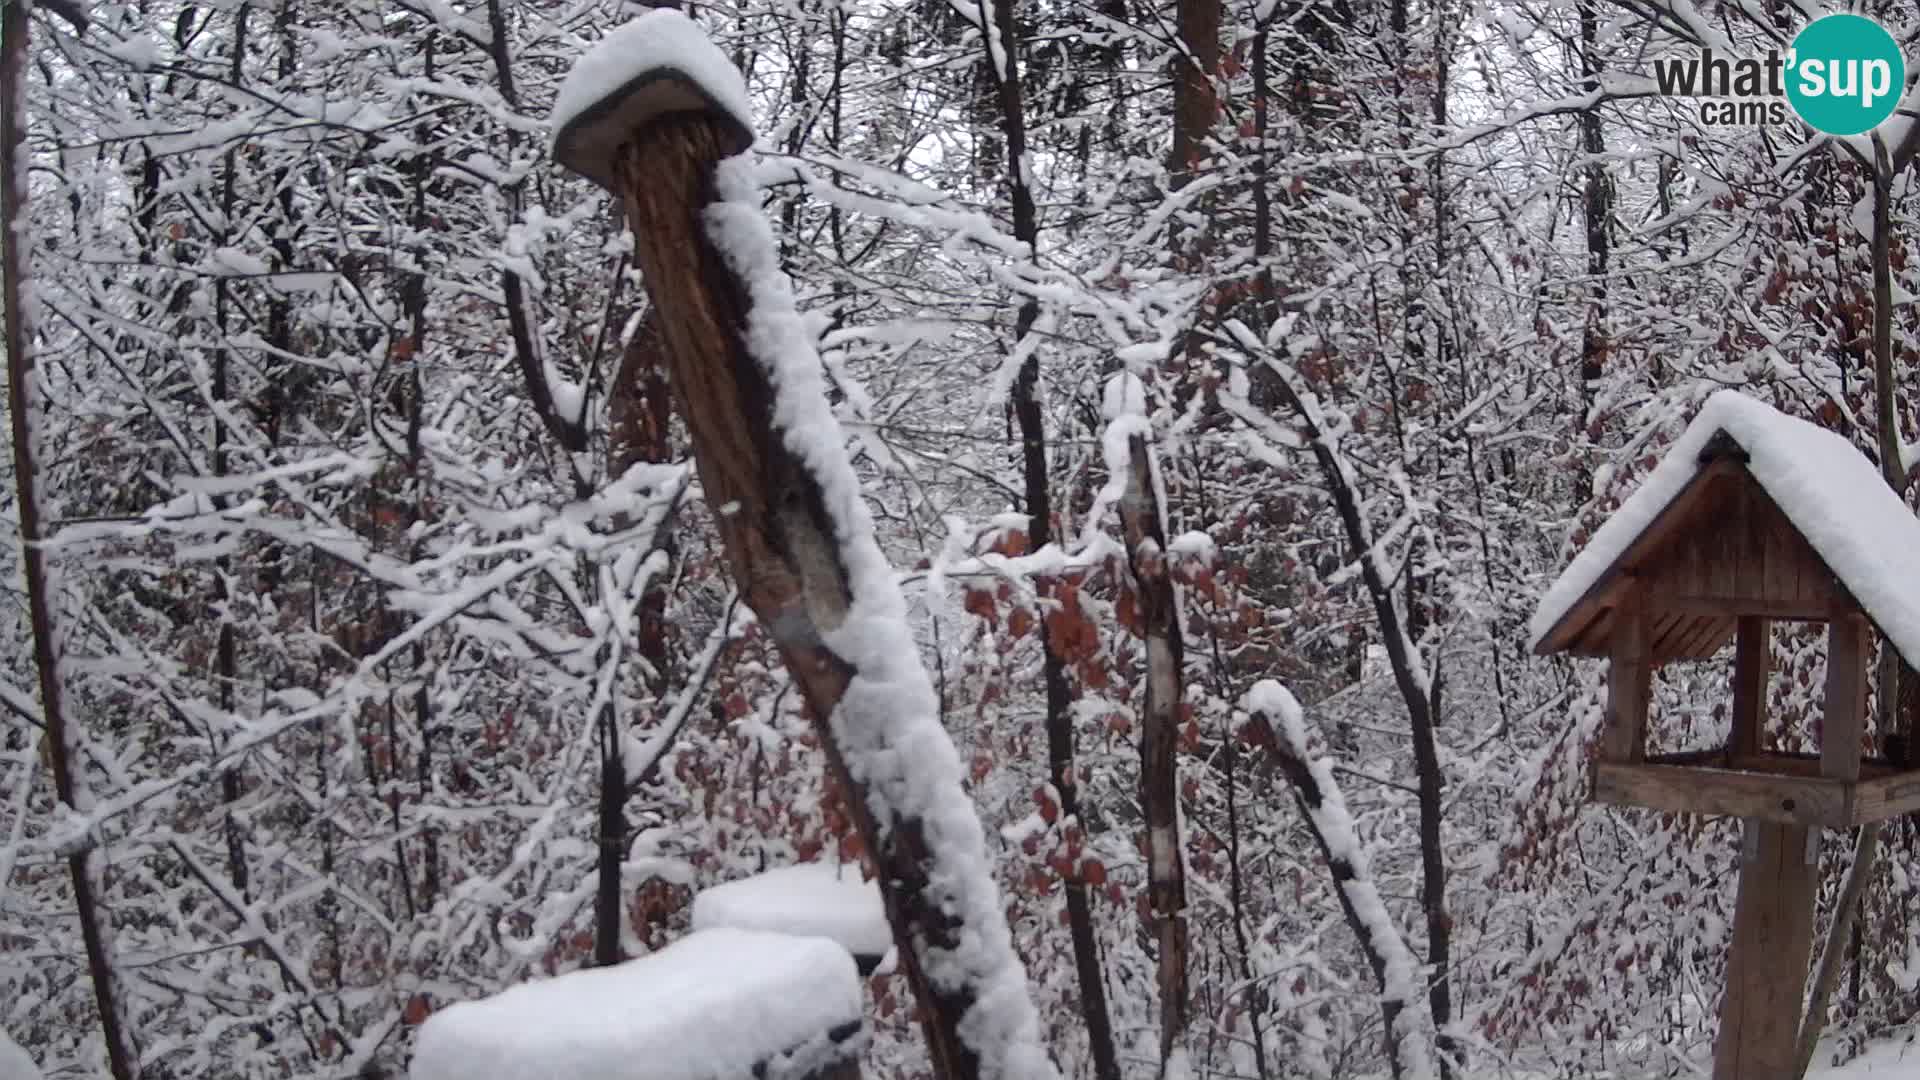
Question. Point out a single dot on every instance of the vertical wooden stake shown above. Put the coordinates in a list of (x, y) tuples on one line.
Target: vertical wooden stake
[(1629, 684), (1751, 654), (1846, 696), (1767, 969)]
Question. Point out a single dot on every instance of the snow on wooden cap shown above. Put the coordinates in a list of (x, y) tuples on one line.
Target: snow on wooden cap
[(812, 899), (714, 1004), (660, 63), (1751, 512)]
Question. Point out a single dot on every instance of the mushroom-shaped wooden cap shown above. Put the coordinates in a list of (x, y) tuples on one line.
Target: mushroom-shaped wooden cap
[(659, 63)]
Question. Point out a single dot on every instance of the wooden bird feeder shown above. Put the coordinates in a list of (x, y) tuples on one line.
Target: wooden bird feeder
[(1752, 518)]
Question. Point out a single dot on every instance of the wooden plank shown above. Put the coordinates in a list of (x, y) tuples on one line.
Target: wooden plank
[(1887, 796), (1767, 966), (1694, 789), (1846, 708), (1724, 606), (1780, 763), (1752, 653), (1597, 639), (1629, 686), (1704, 638), (1664, 632), (1711, 759)]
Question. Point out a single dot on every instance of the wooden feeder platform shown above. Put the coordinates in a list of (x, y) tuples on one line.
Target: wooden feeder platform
[(1783, 788), (1752, 518)]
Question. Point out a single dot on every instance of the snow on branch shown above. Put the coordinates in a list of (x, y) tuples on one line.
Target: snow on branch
[(1276, 722)]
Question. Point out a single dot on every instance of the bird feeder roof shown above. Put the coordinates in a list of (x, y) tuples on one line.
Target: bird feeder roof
[(1799, 496)]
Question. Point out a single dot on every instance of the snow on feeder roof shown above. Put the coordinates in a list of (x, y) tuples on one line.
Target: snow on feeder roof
[(660, 63), (815, 899), (1752, 510), (711, 1006)]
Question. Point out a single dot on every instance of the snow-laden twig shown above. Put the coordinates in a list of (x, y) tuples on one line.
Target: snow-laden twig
[(1276, 721)]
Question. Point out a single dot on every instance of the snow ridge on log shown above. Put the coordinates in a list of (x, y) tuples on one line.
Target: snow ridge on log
[(888, 721)]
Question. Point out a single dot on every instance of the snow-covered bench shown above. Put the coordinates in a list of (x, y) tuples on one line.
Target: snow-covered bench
[(811, 899), (720, 1004)]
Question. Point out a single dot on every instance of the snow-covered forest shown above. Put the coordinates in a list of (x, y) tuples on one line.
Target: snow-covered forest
[(1225, 382)]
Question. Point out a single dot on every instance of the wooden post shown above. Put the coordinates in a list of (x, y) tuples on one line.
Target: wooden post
[(1751, 654), (1629, 683), (1767, 968), (768, 509), (656, 143), (1759, 1035), (1846, 706)]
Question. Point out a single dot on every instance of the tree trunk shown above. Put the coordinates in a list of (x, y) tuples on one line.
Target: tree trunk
[(1195, 105), (1140, 516), (64, 743), (1597, 204), (1284, 738), (1033, 444)]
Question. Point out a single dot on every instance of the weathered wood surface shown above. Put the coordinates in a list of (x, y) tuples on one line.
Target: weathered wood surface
[(1780, 788), (1846, 700), (1629, 686), (769, 512), (1721, 550), (1695, 789), (1751, 653), (1767, 967)]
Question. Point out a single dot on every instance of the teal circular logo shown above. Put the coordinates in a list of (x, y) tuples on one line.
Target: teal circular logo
[(1845, 74)]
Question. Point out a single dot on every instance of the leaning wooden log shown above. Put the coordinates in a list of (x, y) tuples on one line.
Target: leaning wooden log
[(655, 113), (715, 1005)]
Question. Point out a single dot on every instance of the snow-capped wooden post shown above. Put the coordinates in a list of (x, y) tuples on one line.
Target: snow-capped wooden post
[(656, 114), (1752, 517)]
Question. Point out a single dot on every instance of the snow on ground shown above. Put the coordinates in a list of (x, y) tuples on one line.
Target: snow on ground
[(1830, 491), (712, 1004), (15, 1064), (1883, 1061), (812, 899)]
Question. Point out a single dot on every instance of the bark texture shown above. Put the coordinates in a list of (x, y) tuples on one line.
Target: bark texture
[(1140, 514), (63, 742), (778, 536)]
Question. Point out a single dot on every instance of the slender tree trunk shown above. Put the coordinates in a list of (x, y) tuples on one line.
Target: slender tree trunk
[(1140, 515), (1278, 726), (64, 744), (225, 663), (1597, 204), (640, 403), (1414, 686), (1195, 105), (1033, 444)]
